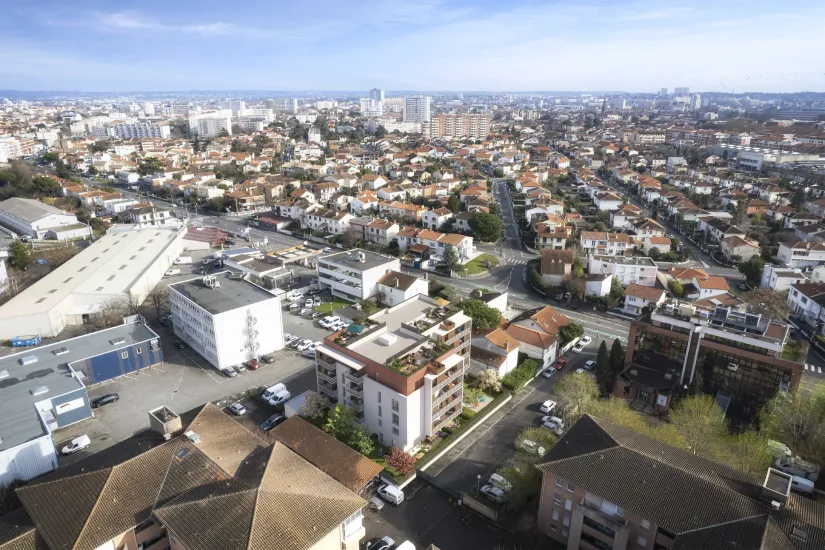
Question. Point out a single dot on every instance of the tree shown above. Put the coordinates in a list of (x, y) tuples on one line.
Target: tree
[(525, 482), (340, 423), (51, 157), (471, 395), (577, 270), (315, 406), (768, 302), (483, 316), (576, 391), (618, 411), (454, 203), (616, 357), (150, 165), (489, 380), (701, 422), (486, 226), (451, 259), (570, 332), (798, 197), (747, 452), (797, 419), (400, 461), (675, 288), (542, 436), (604, 376), (19, 254), (361, 441), (46, 186), (133, 304), (697, 385), (110, 314), (752, 270), (158, 298)]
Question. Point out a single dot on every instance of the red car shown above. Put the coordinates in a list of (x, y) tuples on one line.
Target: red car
[(560, 364), (253, 364)]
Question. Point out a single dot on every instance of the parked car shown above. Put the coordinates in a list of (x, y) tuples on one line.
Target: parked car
[(253, 364), (798, 467), (304, 344), (104, 400), (317, 300), (328, 321), (554, 424), (493, 493), (549, 372), (340, 325), (499, 481), (317, 315), (384, 543), (229, 372), (229, 242), (560, 363), (180, 345), (309, 353), (295, 297), (548, 406), (272, 421), (308, 303), (531, 447), (295, 343), (294, 306), (76, 444), (586, 339), (268, 359), (237, 409), (172, 272), (375, 504), (240, 368), (306, 312), (590, 365), (580, 345), (391, 494)]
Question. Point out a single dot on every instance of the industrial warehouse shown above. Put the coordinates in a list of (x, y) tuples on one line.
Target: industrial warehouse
[(43, 389), (122, 265)]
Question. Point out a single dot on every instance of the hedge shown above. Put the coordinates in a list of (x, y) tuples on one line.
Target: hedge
[(519, 376)]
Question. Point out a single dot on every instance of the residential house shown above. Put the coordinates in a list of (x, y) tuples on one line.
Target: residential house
[(662, 244), (435, 218), (607, 201), (495, 350), (556, 265), (327, 221), (537, 332), (367, 201), (806, 301), (436, 242), (604, 243), (396, 287), (402, 210), (463, 221), (637, 297), (739, 249), (780, 280), (718, 229), (377, 231), (801, 254), (149, 216), (639, 270), (625, 217)]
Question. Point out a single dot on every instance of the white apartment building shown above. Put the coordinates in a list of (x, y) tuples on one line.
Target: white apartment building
[(417, 108), (604, 243), (403, 375), (149, 216), (226, 319), (780, 280), (629, 270), (139, 130), (801, 254), (371, 107), (287, 105), (354, 274), (805, 302), (211, 124), (463, 125)]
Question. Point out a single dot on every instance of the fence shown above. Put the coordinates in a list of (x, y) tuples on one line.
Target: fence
[(478, 507)]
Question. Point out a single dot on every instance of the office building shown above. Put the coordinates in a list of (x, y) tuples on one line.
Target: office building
[(606, 487), (213, 485), (139, 130), (43, 389), (354, 274), (737, 353), (226, 318), (465, 125), (377, 94), (287, 105), (211, 124), (121, 267), (403, 373), (417, 108)]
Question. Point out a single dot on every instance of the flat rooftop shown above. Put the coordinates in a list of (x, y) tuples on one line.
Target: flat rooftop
[(374, 348), (627, 260), (231, 294), (349, 259), (19, 421)]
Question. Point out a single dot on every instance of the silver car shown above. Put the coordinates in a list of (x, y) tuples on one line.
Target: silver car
[(237, 409)]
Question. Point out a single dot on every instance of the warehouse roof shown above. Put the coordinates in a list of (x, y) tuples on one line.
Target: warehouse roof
[(29, 210), (230, 294), (19, 421), (106, 269)]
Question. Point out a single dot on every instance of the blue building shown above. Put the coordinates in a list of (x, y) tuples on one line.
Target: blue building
[(43, 389)]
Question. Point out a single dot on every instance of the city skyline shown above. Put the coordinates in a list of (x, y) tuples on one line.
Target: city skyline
[(635, 46)]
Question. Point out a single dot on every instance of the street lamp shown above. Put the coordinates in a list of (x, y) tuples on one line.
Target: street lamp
[(478, 483)]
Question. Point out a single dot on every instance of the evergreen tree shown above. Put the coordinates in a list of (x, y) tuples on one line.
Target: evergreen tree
[(616, 357), (604, 375)]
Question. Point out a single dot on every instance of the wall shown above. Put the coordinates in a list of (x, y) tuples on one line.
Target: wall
[(232, 336), (78, 403), (410, 423), (112, 364), (28, 460), (332, 541)]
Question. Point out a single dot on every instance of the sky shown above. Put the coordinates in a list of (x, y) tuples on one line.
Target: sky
[(431, 45)]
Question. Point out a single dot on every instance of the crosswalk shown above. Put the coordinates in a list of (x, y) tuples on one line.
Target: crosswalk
[(813, 368), (517, 262)]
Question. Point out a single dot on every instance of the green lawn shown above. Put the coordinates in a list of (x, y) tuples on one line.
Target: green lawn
[(479, 264), (328, 307)]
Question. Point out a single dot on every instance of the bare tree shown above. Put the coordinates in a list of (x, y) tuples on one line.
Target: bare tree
[(14, 283), (133, 304), (767, 302), (158, 298), (111, 314)]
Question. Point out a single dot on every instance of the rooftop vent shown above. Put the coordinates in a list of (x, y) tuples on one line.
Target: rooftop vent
[(28, 360), (387, 339), (117, 341), (236, 276), (633, 372), (192, 436), (61, 351), (39, 390), (776, 488)]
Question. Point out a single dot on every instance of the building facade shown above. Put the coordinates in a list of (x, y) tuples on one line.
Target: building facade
[(354, 274), (417, 108)]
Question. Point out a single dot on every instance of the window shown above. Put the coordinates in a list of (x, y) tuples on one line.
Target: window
[(110, 277), (568, 504), (641, 541), (645, 524), (138, 351), (395, 405), (559, 482), (98, 289), (67, 280), (555, 515), (566, 520), (797, 532), (380, 423), (379, 410), (124, 355), (556, 498), (570, 487), (40, 300), (554, 527), (395, 431), (395, 419), (379, 397)]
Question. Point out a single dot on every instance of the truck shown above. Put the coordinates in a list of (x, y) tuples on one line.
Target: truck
[(183, 260), (21, 341)]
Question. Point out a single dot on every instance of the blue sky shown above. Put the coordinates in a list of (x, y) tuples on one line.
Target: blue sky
[(638, 46)]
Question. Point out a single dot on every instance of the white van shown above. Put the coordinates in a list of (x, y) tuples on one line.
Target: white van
[(173, 271), (272, 391), (802, 485), (391, 494)]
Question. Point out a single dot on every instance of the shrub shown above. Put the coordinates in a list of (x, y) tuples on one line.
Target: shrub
[(519, 376), (570, 332), (400, 461)]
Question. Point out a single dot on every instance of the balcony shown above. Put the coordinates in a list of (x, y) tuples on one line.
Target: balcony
[(325, 359), (445, 394), (351, 376), (355, 389), (329, 390), (355, 403), (446, 419), (326, 375), (446, 378)]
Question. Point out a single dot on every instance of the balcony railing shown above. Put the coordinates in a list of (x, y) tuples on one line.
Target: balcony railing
[(449, 378), (355, 389), (355, 403), (326, 359), (333, 394), (447, 402), (446, 419), (355, 379), (445, 394), (324, 375)]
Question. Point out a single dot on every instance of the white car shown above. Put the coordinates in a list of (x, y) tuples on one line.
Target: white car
[(340, 325), (288, 339), (549, 372), (305, 312), (309, 302), (237, 409), (76, 444), (295, 297), (590, 365), (554, 424), (327, 322), (493, 493), (530, 446), (548, 406), (580, 345), (305, 344), (586, 340), (499, 481)]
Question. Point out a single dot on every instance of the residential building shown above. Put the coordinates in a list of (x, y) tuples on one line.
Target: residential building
[(122, 266), (805, 301), (465, 125), (718, 229), (226, 318), (377, 231), (801, 254), (739, 354), (607, 201), (537, 332), (354, 274), (211, 124), (403, 374), (637, 297), (589, 497), (326, 222), (396, 287), (662, 244), (628, 270), (287, 105), (149, 216), (149, 493), (417, 108), (604, 243), (495, 350), (436, 243), (736, 248), (598, 284), (35, 219), (139, 130), (780, 280), (435, 218), (556, 265), (39, 406)]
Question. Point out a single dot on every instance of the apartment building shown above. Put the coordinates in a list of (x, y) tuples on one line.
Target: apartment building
[(737, 352), (436, 243), (139, 130), (226, 319), (805, 301), (780, 280), (211, 124), (460, 125), (328, 221), (629, 270), (149, 216), (605, 487), (605, 243), (801, 254), (354, 274), (417, 108), (286, 105), (403, 374)]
